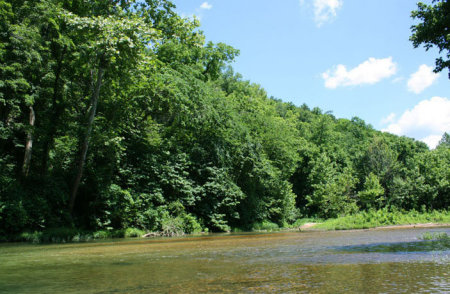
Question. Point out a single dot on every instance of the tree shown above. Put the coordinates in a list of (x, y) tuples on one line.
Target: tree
[(445, 140), (434, 30), (332, 193), (433, 182), (115, 42), (380, 160), (120, 111), (372, 194)]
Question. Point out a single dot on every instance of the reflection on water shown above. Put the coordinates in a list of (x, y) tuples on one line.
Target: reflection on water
[(319, 262)]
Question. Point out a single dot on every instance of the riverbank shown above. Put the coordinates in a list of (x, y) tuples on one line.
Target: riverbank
[(70, 235), (315, 227), (379, 219), (372, 219)]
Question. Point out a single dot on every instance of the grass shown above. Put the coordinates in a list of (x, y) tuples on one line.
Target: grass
[(436, 236), (268, 226), (300, 222), (265, 226), (384, 217)]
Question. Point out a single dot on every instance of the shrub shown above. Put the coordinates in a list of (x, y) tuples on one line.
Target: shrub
[(191, 225), (383, 217), (172, 226), (102, 234), (265, 226), (133, 233), (435, 236)]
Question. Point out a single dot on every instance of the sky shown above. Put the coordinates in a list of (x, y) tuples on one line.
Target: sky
[(350, 57)]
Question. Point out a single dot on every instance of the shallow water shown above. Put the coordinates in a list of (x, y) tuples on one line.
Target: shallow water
[(384, 261)]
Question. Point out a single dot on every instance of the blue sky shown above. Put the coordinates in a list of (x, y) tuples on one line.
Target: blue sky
[(351, 57)]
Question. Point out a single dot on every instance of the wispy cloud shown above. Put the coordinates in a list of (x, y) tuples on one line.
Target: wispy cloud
[(199, 11), (422, 79), (427, 121), (326, 10), (206, 6), (388, 119), (397, 80), (370, 71)]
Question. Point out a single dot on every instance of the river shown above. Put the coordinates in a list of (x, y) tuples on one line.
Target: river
[(360, 261)]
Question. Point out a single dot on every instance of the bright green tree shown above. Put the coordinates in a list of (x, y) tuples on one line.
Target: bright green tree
[(372, 194), (333, 190)]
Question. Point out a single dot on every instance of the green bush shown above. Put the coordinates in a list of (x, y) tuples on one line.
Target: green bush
[(191, 225), (54, 235), (435, 236), (133, 233), (265, 226), (172, 226), (33, 237), (384, 217), (102, 234)]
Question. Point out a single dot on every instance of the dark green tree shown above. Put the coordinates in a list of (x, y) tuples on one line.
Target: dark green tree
[(433, 30), (445, 141)]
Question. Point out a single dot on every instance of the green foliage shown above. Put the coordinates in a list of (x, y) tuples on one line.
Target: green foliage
[(101, 234), (67, 235), (445, 141), (384, 217), (372, 193), (301, 221), (133, 233), (432, 182), (175, 221), (435, 236), (433, 30), (265, 226), (332, 190), (164, 137), (54, 235), (172, 226)]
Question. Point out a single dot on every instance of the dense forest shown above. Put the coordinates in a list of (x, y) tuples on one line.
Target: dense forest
[(118, 114)]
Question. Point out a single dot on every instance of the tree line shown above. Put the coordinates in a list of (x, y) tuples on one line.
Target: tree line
[(117, 114)]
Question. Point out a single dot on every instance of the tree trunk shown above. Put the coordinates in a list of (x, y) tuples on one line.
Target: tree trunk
[(84, 147), (28, 144), (55, 113)]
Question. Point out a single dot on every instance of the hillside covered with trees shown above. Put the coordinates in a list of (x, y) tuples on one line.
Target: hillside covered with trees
[(118, 114)]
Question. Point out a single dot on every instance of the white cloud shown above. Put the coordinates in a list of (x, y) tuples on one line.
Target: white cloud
[(206, 5), (390, 118), (370, 71), (432, 141), (422, 79), (427, 121), (325, 10)]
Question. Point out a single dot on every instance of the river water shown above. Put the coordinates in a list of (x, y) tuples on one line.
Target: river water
[(363, 261)]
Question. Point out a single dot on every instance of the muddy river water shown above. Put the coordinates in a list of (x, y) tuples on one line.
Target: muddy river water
[(363, 261)]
